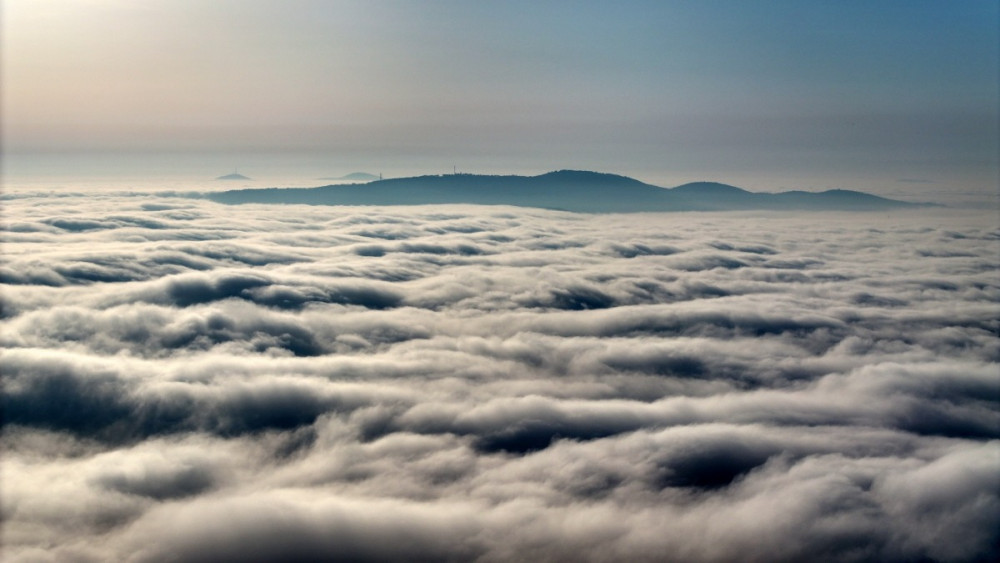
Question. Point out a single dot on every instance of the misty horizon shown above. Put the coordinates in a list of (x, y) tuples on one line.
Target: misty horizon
[(776, 96), (123, 171)]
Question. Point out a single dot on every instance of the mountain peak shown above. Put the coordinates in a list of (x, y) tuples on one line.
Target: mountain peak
[(233, 176), (705, 188), (354, 177), (586, 176)]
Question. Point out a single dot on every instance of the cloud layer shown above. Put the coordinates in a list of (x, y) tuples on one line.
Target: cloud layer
[(190, 381)]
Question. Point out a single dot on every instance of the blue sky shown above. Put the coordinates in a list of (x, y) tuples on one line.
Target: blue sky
[(788, 93)]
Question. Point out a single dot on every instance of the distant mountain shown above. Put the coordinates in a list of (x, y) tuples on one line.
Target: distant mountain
[(568, 190), (233, 176), (355, 177)]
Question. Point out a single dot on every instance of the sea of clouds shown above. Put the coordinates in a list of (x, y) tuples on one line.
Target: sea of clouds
[(187, 381)]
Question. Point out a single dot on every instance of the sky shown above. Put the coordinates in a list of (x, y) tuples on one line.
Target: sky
[(885, 96)]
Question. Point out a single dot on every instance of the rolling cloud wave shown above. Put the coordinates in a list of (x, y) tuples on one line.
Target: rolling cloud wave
[(189, 381)]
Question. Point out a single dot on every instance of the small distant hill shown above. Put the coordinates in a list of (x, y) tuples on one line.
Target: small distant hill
[(354, 177), (234, 176), (567, 190)]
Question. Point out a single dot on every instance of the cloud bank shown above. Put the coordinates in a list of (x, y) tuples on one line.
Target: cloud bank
[(189, 381)]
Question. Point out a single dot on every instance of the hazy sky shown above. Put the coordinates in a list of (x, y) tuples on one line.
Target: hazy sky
[(850, 94)]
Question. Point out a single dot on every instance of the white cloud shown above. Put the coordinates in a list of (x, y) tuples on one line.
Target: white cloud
[(197, 381)]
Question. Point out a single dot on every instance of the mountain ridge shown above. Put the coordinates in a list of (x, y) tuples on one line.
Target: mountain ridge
[(568, 190)]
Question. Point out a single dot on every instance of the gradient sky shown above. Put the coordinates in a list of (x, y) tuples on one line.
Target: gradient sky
[(858, 94)]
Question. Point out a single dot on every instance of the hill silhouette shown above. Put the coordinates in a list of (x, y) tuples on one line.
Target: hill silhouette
[(354, 177), (233, 176), (568, 190)]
